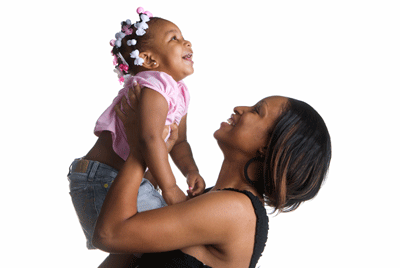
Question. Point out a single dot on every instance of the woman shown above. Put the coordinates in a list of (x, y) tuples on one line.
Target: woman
[(276, 153)]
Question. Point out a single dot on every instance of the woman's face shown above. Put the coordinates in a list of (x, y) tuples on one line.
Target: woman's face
[(247, 129)]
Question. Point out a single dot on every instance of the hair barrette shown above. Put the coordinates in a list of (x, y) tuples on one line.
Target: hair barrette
[(131, 42)]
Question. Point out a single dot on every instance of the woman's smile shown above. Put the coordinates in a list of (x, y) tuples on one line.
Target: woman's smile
[(231, 121), (250, 124)]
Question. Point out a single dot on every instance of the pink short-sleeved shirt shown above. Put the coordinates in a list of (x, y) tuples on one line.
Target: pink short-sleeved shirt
[(175, 93)]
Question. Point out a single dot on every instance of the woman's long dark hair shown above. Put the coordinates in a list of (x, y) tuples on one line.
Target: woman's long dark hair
[(297, 158)]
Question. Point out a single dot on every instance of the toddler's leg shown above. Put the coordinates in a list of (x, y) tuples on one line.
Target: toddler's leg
[(148, 197), (89, 184)]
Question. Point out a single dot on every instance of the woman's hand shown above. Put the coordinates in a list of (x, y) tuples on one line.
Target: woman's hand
[(173, 137), (129, 117)]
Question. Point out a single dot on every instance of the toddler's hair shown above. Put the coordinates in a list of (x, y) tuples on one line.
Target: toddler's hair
[(143, 43)]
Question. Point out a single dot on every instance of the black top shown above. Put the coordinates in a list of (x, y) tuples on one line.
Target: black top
[(177, 258)]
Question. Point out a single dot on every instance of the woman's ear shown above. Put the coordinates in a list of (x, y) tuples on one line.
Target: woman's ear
[(149, 61)]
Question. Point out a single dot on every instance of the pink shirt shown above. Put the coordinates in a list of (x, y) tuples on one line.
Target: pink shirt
[(175, 93)]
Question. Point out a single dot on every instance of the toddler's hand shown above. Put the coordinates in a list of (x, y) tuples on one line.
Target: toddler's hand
[(196, 184)]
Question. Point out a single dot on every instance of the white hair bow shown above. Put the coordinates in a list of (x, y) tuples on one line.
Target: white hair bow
[(119, 36), (142, 26), (135, 55)]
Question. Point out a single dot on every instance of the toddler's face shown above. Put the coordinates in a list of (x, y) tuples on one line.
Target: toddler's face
[(171, 51)]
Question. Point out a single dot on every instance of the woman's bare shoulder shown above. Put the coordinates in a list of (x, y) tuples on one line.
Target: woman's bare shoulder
[(230, 204)]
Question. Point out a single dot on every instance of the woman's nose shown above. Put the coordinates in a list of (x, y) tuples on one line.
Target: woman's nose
[(241, 109), (187, 43), (238, 110)]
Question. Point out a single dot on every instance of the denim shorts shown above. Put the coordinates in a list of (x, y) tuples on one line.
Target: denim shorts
[(89, 182)]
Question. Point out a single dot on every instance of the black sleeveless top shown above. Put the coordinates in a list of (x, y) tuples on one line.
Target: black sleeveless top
[(177, 258)]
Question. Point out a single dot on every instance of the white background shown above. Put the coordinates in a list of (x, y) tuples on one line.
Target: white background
[(342, 57)]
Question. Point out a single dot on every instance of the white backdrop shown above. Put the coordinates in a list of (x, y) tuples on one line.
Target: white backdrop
[(342, 57)]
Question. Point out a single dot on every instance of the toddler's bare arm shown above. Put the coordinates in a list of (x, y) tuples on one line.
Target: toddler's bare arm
[(153, 110), (182, 156)]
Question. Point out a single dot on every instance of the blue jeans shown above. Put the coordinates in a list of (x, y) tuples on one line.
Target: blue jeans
[(89, 182)]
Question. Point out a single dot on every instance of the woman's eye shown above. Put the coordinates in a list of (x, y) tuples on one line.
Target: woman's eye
[(174, 38)]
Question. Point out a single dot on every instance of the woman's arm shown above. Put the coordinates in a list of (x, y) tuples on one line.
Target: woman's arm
[(210, 219), (182, 156), (118, 206), (153, 110)]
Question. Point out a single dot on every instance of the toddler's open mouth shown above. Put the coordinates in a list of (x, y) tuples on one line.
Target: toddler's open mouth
[(188, 57)]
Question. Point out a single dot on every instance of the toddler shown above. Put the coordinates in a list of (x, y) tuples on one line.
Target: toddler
[(153, 53)]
